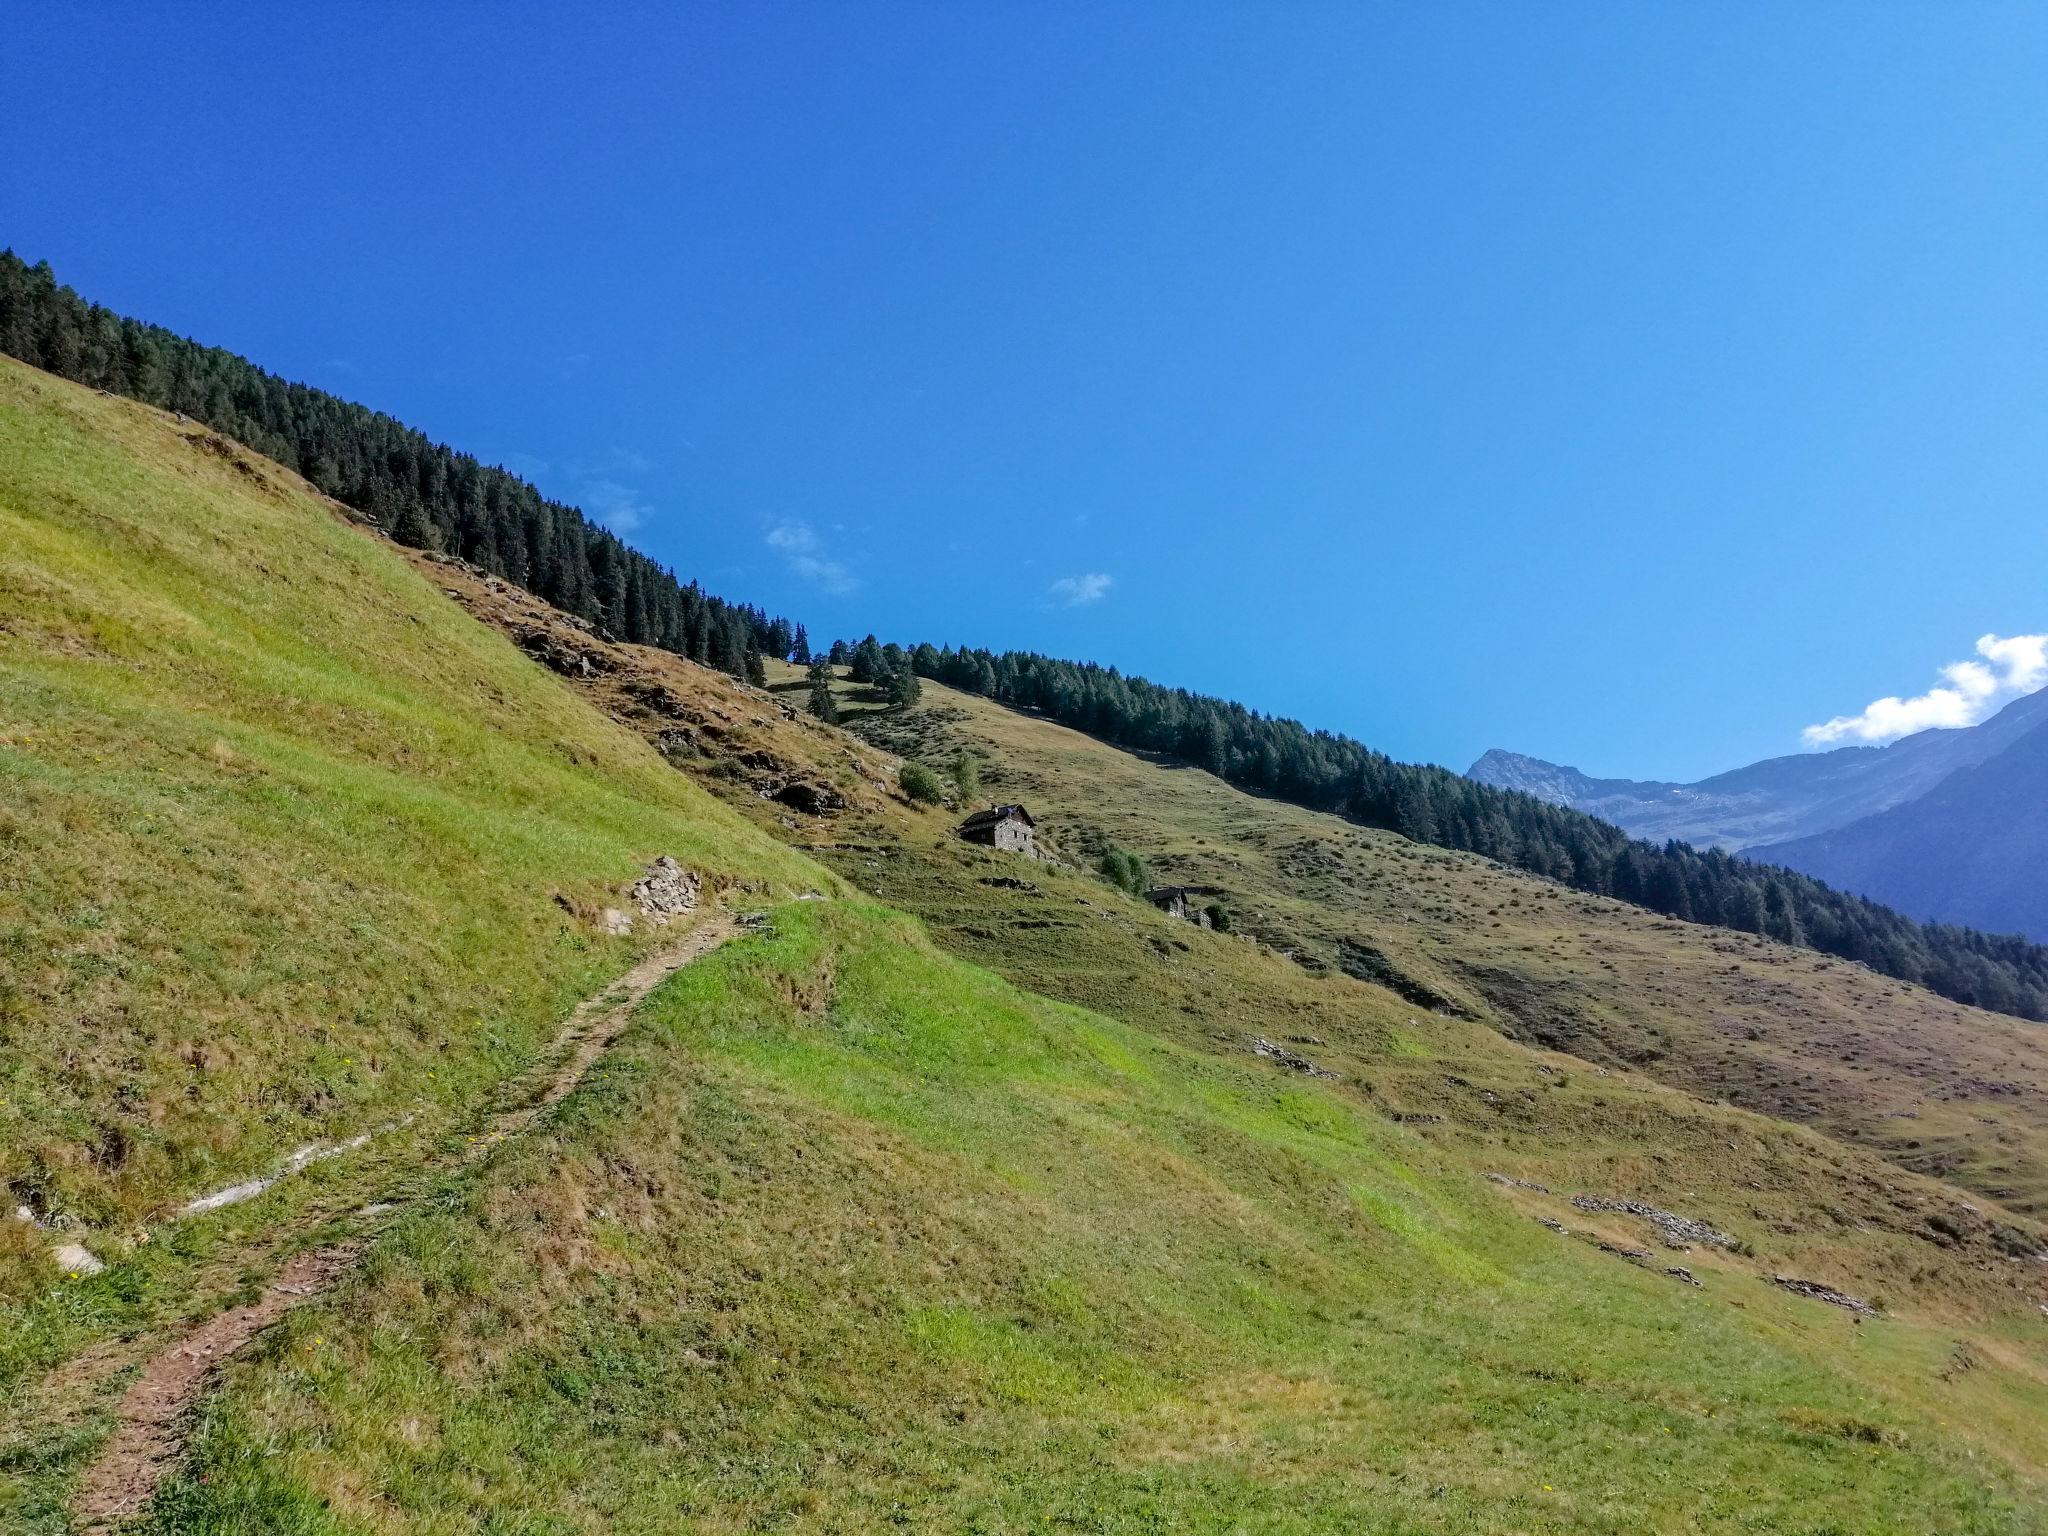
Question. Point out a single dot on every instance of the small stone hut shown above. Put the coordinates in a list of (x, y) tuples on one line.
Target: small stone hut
[(1006, 828), (1181, 901)]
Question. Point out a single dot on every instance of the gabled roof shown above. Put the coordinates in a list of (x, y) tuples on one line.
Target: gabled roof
[(982, 820)]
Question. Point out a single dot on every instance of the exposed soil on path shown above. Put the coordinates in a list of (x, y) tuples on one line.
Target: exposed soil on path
[(151, 1429), (154, 1417)]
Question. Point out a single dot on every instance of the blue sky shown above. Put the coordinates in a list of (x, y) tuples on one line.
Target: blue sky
[(1630, 385)]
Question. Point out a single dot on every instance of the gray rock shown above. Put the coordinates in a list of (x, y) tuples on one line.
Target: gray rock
[(666, 891), (1826, 1293), (1677, 1231)]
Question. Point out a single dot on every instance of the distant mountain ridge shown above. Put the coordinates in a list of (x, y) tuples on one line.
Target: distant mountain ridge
[(1971, 850), (1936, 824)]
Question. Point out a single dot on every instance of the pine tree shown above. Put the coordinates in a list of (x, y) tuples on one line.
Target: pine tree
[(868, 666), (823, 705)]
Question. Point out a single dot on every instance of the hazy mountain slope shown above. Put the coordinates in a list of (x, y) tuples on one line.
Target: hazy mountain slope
[(849, 1234), (1779, 799), (1972, 850)]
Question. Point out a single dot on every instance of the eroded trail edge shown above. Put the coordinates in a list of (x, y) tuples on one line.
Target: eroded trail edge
[(153, 1419)]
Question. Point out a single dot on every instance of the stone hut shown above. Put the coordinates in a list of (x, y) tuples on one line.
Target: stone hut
[(1181, 901), (1005, 828)]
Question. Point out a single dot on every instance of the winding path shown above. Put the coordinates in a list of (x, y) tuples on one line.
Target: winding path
[(152, 1421)]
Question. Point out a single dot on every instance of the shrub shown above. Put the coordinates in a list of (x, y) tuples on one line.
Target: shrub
[(1218, 918), (967, 778), (920, 784), (1123, 869)]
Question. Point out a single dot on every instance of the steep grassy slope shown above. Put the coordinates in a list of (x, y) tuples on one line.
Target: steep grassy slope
[(1807, 1203), (849, 1236), (847, 1232), (1800, 1203), (282, 831)]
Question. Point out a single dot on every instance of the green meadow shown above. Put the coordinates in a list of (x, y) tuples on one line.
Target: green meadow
[(849, 1236)]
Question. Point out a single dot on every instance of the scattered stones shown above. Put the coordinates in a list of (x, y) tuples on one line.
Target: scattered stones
[(1509, 1182), (677, 741), (1261, 1046), (666, 891), (1642, 1258), (615, 923), (1826, 1293), (1410, 1119), (1677, 1231), (552, 650)]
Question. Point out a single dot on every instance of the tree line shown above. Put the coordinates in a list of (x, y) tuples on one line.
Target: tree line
[(886, 668), (423, 494), (1329, 772)]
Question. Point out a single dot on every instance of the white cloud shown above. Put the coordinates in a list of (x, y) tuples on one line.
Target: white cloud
[(2011, 665), (609, 463), (798, 544), (619, 507), (1076, 590)]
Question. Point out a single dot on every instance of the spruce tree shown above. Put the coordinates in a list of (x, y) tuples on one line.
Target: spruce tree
[(823, 705)]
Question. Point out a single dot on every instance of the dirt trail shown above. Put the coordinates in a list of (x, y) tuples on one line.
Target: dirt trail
[(153, 1419)]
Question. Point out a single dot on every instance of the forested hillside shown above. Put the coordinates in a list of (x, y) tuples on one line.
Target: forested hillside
[(422, 493), (1329, 772)]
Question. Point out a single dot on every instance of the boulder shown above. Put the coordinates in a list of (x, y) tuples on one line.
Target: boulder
[(811, 798)]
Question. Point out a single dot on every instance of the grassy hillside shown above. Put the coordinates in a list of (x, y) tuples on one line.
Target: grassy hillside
[(1807, 1202), (1943, 1089), (849, 1236), (283, 831), (1801, 1203), (849, 1231)]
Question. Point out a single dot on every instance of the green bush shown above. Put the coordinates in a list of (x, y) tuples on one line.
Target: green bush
[(967, 778), (920, 784), (1218, 918), (1123, 869)]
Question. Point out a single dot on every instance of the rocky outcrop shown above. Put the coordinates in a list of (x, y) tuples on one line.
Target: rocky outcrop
[(1826, 1293), (666, 891), (1677, 1231), (1261, 1046), (810, 798)]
